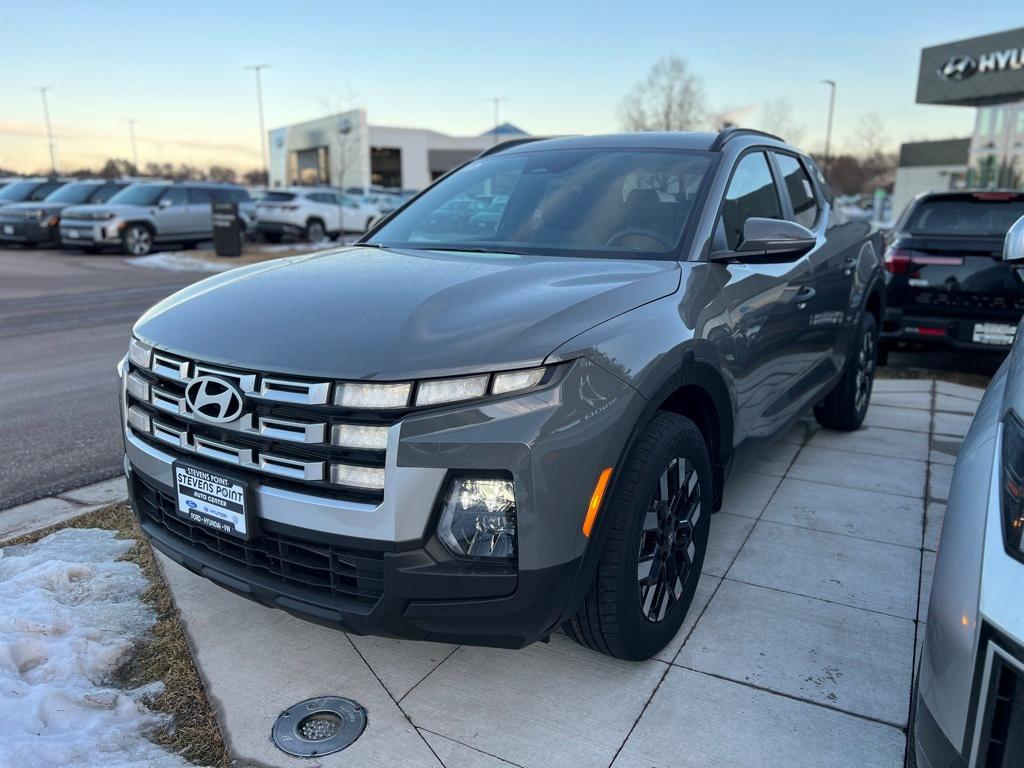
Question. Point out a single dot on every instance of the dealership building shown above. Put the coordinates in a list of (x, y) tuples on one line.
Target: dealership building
[(986, 73), (344, 150)]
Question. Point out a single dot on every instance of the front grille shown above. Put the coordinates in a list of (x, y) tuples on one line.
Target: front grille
[(284, 432), (1002, 740), (353, 576)]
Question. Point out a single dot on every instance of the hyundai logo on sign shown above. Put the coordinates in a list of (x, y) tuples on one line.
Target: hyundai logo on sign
[(958, 68)]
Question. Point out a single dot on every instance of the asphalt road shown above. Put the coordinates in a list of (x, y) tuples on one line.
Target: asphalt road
[(64, 323)]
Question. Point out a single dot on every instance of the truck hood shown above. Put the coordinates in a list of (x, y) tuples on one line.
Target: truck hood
[(372, 313)]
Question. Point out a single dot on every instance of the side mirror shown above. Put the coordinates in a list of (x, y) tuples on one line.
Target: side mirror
[(1013, 245), (165, 202), (775, 237)]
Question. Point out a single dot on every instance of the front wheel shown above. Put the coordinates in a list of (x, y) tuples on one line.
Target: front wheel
[(137, 240), (660, 518), (315, 231), (845, 407)]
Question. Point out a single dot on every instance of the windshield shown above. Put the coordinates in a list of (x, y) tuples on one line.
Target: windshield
[(560, 202), (965, 217), (138, 194), (73, 193), (18, 190)]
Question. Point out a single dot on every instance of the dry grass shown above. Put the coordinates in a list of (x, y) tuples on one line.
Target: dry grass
[(165, 655)]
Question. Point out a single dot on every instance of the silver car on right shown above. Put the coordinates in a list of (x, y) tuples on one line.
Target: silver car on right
[(968, 703)]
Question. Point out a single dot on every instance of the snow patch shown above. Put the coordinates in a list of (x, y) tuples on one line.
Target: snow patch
[(69, 614), (179, 262)]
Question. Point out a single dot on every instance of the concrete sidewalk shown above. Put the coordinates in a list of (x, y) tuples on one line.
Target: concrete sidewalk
[(798, 651)]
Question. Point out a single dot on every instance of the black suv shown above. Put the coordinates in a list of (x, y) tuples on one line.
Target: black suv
[(477, 430), (948, 285)]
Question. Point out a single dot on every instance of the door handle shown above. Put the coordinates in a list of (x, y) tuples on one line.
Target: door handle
[(804, 295)]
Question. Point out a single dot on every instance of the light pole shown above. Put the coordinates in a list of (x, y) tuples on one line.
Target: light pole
[(496, 101), (828, 130), (256, 68), (135, 151), (49, 129)]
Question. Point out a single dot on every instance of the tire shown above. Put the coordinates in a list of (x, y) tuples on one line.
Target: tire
[(623, 615), (315, 231), (846, 405), (137, 240)]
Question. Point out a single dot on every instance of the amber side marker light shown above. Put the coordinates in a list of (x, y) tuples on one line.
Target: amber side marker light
[(595, 500)]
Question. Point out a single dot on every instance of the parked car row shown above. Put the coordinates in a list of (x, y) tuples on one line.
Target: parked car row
[(138, 215)]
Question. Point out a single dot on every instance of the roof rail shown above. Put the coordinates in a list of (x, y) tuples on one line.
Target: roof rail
[(509, 144), (728, 133)]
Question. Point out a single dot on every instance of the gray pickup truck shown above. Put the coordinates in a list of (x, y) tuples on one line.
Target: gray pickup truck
[(477, 430)]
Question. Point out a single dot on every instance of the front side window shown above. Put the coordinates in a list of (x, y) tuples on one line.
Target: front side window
[(566, 202), (200, 195), (801, 190), (174, 196), (751, 194), (43, 190)]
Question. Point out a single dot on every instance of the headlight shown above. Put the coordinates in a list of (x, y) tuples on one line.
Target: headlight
[(355, 394), (479, 519), (513, 381), (34, 214), (1013, 485), (451, 390)]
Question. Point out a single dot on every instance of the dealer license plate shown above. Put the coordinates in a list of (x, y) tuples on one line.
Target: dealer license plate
[(994, 333), (214, 500)]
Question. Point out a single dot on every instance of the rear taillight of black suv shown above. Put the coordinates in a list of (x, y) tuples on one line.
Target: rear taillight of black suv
[(1012, 485), (903, 261)]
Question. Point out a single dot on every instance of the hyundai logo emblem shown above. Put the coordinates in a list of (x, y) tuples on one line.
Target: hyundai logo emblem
[(214, 399), (958, 68)]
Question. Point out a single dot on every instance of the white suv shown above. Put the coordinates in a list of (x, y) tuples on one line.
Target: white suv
[(312, 213)]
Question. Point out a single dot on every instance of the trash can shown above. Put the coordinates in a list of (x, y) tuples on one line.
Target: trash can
[(228, 229)]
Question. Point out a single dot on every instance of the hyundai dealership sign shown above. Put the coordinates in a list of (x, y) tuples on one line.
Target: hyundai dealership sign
[(974, 72)]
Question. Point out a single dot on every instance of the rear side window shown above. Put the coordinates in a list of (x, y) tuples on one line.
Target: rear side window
[(751, 194), (801, 190), (966, 217), (278, 197)]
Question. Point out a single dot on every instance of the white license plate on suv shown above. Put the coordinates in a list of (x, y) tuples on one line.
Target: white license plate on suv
[(213, 500), (994, 333), (73, 234), (8, 229)]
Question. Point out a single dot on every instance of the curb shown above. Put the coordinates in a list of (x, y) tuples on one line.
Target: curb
[(50, 510)]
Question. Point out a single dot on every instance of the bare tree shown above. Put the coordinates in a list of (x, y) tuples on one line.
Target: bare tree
[(870, 138), (777, 117), (347, 146), (670, 98)]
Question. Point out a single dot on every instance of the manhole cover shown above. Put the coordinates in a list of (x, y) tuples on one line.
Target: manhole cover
[(319, 726)]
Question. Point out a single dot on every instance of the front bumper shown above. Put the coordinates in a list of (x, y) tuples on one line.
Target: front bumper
[(920, 330), (21, 230), (379, 568), (84, 233)]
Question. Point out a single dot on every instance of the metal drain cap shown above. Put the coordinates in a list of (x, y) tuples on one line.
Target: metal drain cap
[(319, 726)]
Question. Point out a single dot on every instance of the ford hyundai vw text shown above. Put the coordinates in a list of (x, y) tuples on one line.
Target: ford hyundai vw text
[(476, 431)]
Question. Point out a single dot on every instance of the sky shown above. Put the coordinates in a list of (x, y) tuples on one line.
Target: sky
[(177, 68)]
